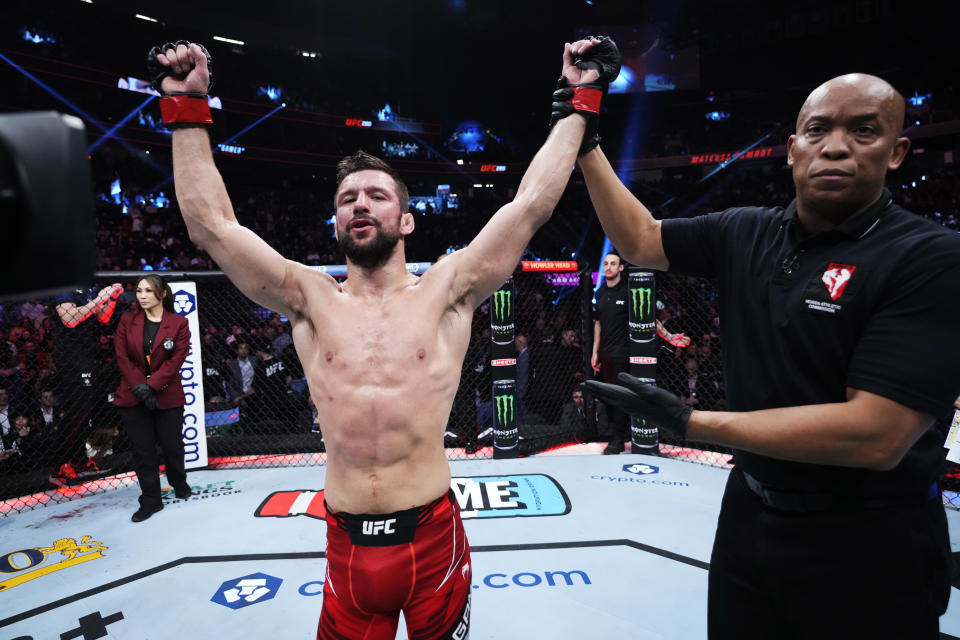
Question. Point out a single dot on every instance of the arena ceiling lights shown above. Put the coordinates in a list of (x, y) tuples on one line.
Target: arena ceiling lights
[(229, 40)]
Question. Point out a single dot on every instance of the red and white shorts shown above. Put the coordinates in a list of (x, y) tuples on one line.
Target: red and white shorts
[(416, 561)]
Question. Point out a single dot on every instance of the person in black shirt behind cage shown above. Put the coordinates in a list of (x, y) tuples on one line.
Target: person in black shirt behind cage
[(611, 350)]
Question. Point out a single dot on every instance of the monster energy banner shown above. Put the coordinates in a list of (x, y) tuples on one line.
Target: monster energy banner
[(501, 315), (506, 410), (505, 428), (641, 315)]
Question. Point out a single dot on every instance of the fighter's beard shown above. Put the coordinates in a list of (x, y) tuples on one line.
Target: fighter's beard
[(371, 254)]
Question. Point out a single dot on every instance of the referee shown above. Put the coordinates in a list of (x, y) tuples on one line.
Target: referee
[(839, 322)]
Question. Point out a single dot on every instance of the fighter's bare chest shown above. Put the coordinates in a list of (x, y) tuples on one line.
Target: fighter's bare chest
[(358, 337)]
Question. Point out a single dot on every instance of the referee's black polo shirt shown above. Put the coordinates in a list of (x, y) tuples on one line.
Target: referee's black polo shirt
[(873, 304), (610, 310)]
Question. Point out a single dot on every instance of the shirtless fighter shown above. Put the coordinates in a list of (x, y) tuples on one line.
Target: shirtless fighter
[(394, 537)]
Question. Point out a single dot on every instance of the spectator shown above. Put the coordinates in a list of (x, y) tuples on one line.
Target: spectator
[(214, 381), (48, 416), (569, 367), (34, 311), (546, 388), (283, 339), (6, 413), (271, 382), (699, 389), (9, 366), (21, 444), (240, 372), (523, 376), (584, 419), (36, 366)]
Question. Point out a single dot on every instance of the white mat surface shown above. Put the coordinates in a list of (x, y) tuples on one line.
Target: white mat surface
[(627, 559)]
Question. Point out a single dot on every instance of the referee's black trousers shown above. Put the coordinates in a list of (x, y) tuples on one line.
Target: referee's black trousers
[(876, 572), (145, 430)]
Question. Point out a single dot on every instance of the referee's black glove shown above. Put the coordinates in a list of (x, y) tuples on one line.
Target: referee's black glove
[(646, 401)]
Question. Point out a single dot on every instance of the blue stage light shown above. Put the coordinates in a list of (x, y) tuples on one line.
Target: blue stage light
[(37, 37), (624, 81), (115, 191), (273, 93), (109, 134), (234, 137)]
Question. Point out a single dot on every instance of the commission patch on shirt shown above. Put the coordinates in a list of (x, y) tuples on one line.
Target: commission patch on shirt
[(832, 287)]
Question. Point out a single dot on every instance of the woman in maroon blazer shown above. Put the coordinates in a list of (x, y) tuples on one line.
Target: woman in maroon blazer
[(151, 346)]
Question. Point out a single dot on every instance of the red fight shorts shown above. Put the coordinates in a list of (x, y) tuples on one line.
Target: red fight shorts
[(416, 561)]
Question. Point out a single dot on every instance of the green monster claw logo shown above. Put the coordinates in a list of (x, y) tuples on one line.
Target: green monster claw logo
[(639, 297), (504, 408), (501, 304)]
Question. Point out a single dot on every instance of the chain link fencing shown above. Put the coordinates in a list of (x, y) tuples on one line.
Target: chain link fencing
[(62, 438)]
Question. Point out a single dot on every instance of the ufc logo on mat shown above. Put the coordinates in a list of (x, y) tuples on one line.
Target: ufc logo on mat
[(376, 527)]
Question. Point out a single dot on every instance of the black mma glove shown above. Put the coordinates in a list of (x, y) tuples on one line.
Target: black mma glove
[(585, 98), (142, 391), (646, 401), (178, 107)]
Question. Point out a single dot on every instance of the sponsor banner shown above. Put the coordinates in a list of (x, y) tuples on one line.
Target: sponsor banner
[(501, 314), (478, 497), (286, 504), (200, 492), (634, 480), (509, 496), (506, 432), (643, 434), (528, 579), (642, 319), (503, 362), (549, 265), (340, 270), (641, 469), (23, 565), (641, 307), (562, 279), (247, 590), (191, 375)]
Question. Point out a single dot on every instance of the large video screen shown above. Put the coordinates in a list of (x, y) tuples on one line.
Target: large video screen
[(647, 64)]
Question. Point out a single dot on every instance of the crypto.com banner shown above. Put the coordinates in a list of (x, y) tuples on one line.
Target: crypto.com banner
[(191, 374)]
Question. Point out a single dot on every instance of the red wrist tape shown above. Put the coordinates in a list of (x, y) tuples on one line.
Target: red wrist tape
[(586, 99), (185, 109)]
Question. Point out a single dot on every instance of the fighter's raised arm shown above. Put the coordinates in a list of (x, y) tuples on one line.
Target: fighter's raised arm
[(181, 73), (588, 65)]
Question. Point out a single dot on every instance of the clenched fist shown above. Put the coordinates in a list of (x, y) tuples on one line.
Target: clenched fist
[(181, 68)]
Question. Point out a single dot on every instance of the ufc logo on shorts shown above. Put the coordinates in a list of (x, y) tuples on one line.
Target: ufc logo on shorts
[(376, 527), (460, 633)]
